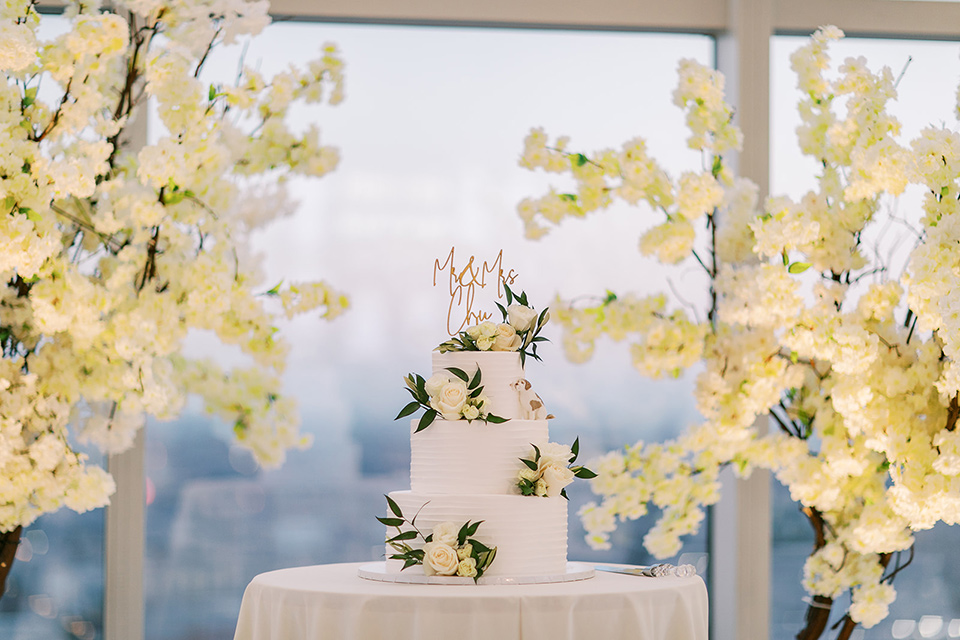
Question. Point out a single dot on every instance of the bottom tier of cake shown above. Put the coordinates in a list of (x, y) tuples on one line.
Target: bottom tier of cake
[(530, 533)]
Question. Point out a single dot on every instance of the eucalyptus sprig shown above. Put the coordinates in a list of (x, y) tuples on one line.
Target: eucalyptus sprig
[(531, 481), (467, 545), (473, 407)]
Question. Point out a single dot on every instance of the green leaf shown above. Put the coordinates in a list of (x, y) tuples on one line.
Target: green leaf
[(584, 473), (476, 392), (394, 507), (390, 522), (495, 419), (460, 373), (717, 166), (786, 259), (798, 267), (578, 160), (410, 563), (536, 452), (275, 290), (426, 420), (510, 295), (478, 547), (212, 93), (568, 197), (462, 534), (575, 449), (411, 408), (503, 310), (563, 492), (530, 464), (405, 535), (32, 215), (475, 380)]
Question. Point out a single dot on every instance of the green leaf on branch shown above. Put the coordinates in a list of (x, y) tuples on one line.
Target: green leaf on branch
[(495, 419), (578, 159), (394, 507), (406, 535), (426, 420), (609, 298), (460, 373), (212, 93), (583, 473), (409, 409), (717, 166), (390, 522), (798, 267), (275, 290), (475, 381), (568, 197), (530, 464)]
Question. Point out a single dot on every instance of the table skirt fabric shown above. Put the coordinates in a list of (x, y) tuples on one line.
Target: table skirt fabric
[(330, 602)]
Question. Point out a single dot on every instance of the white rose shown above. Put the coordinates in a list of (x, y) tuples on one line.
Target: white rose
[(465, 551), (527, 474), (470, 412), (473, 332), (446, 533), (488, 329), (521, 317), (467, 568), (556, 478), (485, 344), (553, 453), (540, 488), (506, 339), (435, 383), (439, 559), (450, 400)]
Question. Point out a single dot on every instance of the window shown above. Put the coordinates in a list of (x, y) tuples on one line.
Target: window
[(429, 133)]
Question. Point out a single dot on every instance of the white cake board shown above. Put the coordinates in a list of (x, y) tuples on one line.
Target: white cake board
[(378, 571)]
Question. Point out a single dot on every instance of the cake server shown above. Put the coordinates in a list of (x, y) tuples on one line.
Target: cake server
[(651, 571)]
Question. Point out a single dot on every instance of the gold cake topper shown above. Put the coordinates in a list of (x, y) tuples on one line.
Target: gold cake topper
[(463, 283)]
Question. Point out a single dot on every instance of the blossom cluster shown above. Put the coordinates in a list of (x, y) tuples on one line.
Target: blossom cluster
[(444, 557), (451, 396), (519, 330), (818, 363), (448, 550), (550, 470), (111, 254)]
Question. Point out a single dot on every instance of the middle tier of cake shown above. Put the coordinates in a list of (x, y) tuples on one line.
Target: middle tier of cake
[(530, 533), (459, 457)]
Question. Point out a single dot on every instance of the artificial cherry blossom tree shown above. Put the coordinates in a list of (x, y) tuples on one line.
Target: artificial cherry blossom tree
[(112, 253), (856, 366)]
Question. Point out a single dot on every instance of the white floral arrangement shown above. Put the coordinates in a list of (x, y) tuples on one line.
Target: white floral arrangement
[(551, 468), (448, 550), (456, 397), (519, 330), (806, 325), (112, 253)]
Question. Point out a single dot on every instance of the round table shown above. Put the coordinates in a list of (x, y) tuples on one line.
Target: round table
[(331, 602)]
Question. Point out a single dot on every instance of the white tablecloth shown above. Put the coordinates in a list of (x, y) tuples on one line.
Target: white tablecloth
[(330, 602)]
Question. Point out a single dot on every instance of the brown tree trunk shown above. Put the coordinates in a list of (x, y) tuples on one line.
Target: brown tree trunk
[(818, 613), (8, 550)]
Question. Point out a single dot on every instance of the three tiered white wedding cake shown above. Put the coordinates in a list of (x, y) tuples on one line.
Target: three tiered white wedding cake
[(486, 485)]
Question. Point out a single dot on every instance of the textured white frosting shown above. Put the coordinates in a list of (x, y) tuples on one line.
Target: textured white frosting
[(499, 370), (530, 533), (461, 457)]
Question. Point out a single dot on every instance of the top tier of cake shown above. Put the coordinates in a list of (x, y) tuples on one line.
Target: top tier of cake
[(500, 371)]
